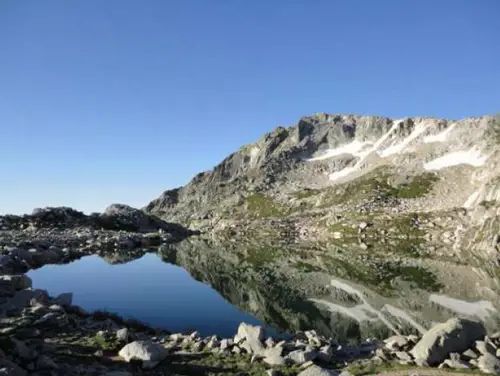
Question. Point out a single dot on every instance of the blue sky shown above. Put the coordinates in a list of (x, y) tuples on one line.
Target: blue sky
[(117, 100)]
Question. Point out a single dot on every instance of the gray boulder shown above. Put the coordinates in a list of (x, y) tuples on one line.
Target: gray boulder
[(251, 336), (488, 363), (15, 282), (122, 335), (273, 356), (147, 351), (455, 335), (301, 356)]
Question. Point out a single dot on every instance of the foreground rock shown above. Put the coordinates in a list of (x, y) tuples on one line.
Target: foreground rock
[(454, 336), (150, 353)]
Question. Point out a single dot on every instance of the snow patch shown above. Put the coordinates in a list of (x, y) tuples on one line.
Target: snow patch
[(253, 154), (481, 309), (401, 146), (402, 315), (471, 157), (440, 137), (471, 200), (353, 148), (365, 153)]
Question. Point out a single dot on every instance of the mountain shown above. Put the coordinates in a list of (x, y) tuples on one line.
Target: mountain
[(410, 187)]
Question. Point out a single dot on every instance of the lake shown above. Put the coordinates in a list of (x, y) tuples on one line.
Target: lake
[(148, 289), (211, 287)]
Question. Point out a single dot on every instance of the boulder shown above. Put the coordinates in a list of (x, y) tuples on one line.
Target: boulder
[(64, 299), (15, 282), (301, 356), (318, 371), (147, 351), (454, 362), (11, 369), (486, 347), (122, 335), (488, 363), (252, 337), (44, 362), (396, 342), (455, 335), (273, 356)]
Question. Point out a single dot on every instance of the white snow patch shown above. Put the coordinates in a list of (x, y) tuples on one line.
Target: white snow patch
[(471, 200), (344, 172), (360, 312), (399, 147), (440, 137), (396, 312), (471, 157), (481, 309), (353, 148), (253, 154), (365, 153)]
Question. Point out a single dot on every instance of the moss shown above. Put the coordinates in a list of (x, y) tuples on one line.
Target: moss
[(262, 206)]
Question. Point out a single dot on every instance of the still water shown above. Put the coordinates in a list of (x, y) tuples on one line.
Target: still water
[(284, 289), (147, 289)]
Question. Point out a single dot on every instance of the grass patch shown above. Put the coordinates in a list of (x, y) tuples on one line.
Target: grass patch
[(111, 344), (262, 206), (419, 186), (377, 183)]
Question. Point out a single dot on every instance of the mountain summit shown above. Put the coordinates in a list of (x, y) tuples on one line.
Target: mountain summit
[(335, 178)]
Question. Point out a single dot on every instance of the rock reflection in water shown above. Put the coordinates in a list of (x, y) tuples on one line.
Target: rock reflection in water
[(297, 289)]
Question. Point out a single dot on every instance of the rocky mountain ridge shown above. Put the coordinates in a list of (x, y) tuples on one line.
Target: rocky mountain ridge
[(343, 177)]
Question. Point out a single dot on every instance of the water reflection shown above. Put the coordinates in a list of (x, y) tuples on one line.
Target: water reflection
[(340, 293)]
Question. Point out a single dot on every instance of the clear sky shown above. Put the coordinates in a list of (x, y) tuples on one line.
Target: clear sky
[(118, 100)]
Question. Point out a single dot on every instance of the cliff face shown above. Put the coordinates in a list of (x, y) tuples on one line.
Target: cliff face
[(335, 178)]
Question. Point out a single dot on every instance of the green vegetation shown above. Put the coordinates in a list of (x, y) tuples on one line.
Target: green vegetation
[(262, 206), (419, 186), (306, 268), (215, 364), (378, 182), (111, 344), (380, 277), (306, 193), (260, 256)]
